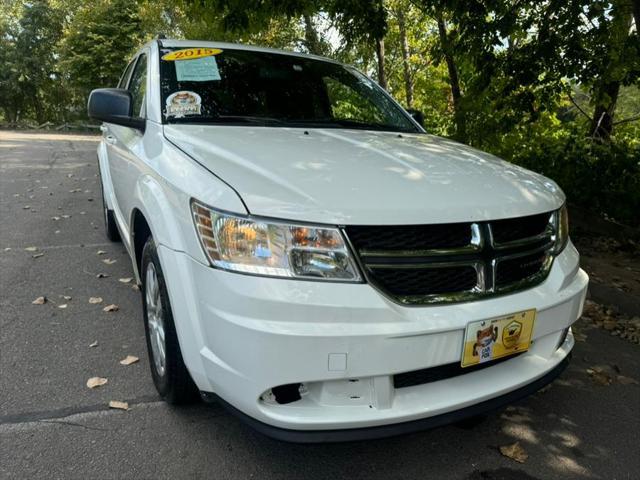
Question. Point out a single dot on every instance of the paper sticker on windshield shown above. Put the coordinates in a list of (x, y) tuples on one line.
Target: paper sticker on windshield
[(190, 54), (183, 103), (204, 69)]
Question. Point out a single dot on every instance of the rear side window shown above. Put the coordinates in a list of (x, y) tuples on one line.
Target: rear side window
[(138, 87)]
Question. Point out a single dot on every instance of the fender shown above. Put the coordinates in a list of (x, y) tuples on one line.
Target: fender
[(103, 165)]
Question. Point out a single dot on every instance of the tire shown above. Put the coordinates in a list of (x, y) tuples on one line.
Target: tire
[(169, 373), (110, 226)]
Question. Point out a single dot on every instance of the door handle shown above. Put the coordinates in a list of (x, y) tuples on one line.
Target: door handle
[(110, 139)]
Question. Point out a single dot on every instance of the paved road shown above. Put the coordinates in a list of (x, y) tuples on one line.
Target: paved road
[(53, 426)]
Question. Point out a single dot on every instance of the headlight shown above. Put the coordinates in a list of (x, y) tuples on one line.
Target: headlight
[(560, 221), (271, 248)]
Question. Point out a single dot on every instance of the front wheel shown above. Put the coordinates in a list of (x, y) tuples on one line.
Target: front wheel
[(170, 375)]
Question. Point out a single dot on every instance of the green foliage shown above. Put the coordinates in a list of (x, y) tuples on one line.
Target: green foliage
[(604, 178), (97, 44), (28, 73), (552, 85)]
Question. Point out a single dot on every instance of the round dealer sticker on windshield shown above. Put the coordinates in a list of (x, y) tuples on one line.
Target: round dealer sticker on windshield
[(183, 103), (190, 54)]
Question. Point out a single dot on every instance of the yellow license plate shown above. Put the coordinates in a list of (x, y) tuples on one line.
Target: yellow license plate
[(487, 340)]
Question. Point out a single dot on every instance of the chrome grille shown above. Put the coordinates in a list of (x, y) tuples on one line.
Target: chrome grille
[(423, 264)]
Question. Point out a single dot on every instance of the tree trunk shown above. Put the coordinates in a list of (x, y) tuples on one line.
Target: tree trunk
[(311, 38), (602, 121), (10, 115), (404, 47), (606, 90), (454, 81), (382, 78), (38, 107)]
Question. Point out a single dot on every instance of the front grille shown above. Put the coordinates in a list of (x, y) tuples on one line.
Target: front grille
[(410, 237), (520, 268), (514, 229), (442, 372), (421, 264), (415, 281)]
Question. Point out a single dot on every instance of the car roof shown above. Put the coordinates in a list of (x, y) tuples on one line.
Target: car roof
[(171, 43)]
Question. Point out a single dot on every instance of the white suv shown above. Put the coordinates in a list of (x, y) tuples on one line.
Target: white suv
[(314, 260)]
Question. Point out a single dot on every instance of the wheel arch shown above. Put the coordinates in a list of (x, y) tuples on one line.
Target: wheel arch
[(140, 232)]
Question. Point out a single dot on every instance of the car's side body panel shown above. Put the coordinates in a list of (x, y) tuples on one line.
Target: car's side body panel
[(144, 186)]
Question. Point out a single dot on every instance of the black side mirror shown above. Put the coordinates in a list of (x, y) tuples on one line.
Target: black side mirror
[(417, 115), (113, 105)]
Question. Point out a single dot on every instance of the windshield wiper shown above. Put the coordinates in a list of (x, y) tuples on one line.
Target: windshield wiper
[(226, 119), (339, 122)]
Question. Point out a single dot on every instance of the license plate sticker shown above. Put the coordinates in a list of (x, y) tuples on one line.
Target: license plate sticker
[(487, 340)]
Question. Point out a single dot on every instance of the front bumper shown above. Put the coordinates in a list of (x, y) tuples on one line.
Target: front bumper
[(242, 335)]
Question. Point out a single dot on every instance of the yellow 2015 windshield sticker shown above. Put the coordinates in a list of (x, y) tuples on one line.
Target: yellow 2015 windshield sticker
[(191, 53)]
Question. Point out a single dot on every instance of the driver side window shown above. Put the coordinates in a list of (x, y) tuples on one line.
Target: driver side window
[(138, 87)]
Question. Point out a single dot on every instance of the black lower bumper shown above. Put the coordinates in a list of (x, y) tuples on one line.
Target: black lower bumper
[(382, 431)]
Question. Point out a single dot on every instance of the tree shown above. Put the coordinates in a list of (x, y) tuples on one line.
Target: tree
[(98, 42), (357, 21), (30, 59), (618, 64), (404, 48), (10, 96)]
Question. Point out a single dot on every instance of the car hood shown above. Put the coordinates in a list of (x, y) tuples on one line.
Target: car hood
[(356, 177)]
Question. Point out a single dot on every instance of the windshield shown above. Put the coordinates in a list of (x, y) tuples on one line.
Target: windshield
[(210, 85)]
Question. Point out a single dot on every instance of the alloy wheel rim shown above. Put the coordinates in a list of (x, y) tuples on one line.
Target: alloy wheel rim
[(155, 319)]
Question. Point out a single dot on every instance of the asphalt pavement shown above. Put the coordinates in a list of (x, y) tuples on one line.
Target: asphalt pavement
[(52, 425)]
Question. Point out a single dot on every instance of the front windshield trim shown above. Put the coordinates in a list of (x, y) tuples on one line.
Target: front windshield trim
[(389, 109), (240, 120)]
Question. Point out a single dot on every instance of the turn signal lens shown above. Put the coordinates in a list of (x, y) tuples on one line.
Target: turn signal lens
[(261, 247), (561, 226)]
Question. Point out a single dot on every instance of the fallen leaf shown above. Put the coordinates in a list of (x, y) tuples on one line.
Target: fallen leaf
[(514, 452), (128, 360), (626, 380), (40, 301), (63, 305), (31, 249), (108, 261), (111, 308), (100, 252), (94, 344), (599, 376), (94, 382), (95, 300), (118, 405), (125, 280), (37, 255), (102, 275)]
